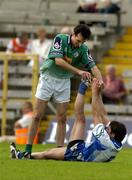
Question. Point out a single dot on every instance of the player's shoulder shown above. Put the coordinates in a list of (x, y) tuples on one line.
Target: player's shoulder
[(99, 126), (62, 36), (99, 129), (62, 39), (84, 47)]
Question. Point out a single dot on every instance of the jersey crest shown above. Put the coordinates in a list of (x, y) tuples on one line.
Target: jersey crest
[(57, 43), (76, 54)]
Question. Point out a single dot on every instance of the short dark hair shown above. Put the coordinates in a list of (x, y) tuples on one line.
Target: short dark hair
[(119, 130), (84, 30)]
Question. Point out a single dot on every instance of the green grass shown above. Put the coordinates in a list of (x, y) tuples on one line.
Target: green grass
[(120, 168)]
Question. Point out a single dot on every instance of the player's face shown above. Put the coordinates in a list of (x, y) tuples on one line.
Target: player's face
[(77, 40), (108, 129)]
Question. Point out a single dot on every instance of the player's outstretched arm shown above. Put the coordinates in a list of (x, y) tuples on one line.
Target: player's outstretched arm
[(98, 109), (97, 74)]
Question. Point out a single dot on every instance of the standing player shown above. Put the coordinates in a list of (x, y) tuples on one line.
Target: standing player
[(65, 56), (106, 140)]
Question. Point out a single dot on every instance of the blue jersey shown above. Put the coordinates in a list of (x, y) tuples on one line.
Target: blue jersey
[(101, 148)]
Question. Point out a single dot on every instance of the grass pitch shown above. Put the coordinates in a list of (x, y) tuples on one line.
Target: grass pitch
[(120, 168)]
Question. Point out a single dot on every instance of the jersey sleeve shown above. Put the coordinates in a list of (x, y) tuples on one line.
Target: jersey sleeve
[(57, 50), (87, 60), (101, 134)]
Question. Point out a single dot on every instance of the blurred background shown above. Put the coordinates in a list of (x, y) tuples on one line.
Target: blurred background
[(27, 28)]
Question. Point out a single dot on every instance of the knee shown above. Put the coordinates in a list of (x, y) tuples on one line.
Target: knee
[(80, 118), (45, 155), (37, 117), (61, 118)]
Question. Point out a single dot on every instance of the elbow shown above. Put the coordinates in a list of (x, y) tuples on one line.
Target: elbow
[(94, 68)]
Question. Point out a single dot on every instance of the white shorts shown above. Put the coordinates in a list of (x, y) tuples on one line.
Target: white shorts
[(49, 86)]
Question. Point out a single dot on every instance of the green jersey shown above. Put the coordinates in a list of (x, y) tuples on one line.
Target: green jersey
[(62, 48)]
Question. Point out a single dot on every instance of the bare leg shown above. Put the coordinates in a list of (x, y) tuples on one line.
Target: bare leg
[(55, 153), (61, 125), (79, 124), (40, 106)]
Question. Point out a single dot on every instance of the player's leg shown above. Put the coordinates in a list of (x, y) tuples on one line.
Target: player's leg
[(61, 124), (43, 94), (76, 143), (55, 153), (79, 124), (61, 97), (40, 106)]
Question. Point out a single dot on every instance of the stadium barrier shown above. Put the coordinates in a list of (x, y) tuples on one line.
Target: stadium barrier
[(5, 59)]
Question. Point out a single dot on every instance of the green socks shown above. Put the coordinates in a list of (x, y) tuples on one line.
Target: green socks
[(28, 148)]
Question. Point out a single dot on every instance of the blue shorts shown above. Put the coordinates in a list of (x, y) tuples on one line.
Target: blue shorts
[(74, 150)]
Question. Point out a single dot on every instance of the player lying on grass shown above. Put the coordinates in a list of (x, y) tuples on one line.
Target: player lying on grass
[(106, 140)]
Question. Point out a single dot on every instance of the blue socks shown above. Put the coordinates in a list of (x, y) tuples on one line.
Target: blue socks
[(82, 88)]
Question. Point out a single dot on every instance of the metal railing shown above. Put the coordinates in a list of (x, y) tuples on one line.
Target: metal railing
[(35, 71)]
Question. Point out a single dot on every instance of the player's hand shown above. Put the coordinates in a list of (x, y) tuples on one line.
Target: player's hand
[(85, 75), (101, 83)]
